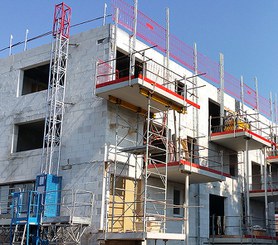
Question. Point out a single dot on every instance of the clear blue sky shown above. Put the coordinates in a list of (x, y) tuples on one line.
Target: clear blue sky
[(246, 31)]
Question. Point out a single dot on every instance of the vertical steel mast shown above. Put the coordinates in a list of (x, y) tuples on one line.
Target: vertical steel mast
[(56, 90)]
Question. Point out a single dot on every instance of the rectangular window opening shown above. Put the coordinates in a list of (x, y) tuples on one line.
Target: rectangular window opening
[(233, 164), (179, 88), (29, 136), (122, 65), (177, 201), (214, 114), (217, 215), (35, 79)]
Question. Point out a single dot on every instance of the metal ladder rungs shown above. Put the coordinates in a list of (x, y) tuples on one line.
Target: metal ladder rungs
[(17, 234)]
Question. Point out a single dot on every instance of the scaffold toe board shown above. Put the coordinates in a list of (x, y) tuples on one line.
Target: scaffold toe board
[(140, 236)]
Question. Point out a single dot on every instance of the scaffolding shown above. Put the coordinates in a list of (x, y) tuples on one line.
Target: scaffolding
[(136, 166)]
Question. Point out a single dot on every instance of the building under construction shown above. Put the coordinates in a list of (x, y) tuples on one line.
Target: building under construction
[(124, 134)]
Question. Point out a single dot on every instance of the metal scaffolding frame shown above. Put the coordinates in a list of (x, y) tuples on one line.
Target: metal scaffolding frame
[(142, 161), (141, 154)]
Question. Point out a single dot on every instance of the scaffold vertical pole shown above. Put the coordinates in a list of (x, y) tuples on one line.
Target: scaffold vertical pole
[(247, 187), (104, 14), (114, 45), (221, 97), (242, 93), (272, 134), (186, 209), (196, 130), (275, 115), (265, 191), (133, 42), (167, 48), (257, 104)]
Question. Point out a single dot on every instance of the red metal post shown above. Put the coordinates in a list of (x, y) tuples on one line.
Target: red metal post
[(61, 22)]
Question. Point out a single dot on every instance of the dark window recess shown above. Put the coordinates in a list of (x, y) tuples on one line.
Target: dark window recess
[(30, 136), (214, 113), (256, 176), (179, 87), (177, 201), (101, 41), (122, 65), (217, 215), (192, 149), (233, 164), (35, 79), (157, 139)]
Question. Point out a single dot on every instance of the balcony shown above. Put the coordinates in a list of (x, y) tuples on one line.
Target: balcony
[(132, 92), (258, 192), (234, 230), (235, 131), (197, 174), (272, 156)]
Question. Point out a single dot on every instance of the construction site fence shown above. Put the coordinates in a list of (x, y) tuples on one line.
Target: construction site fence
[(242, 226), (155, 35)]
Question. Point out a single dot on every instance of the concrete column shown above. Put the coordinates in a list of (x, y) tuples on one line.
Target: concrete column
[(247, 183), (265, 190)]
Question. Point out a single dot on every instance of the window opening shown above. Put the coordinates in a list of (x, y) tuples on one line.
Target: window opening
[(177, 201), (122, 65), (179, 88), (256, 176), (191, 142), (35, 79), (233, 164), (217, 215), (30, 136), (214, 113)]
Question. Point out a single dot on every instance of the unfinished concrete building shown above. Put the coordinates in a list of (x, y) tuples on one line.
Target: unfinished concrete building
[(126, 135)]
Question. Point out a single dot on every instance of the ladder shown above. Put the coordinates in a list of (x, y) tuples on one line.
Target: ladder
[(19, 234), (156, 161)]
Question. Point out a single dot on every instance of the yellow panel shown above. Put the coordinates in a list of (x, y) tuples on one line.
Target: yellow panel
[(124, 206)]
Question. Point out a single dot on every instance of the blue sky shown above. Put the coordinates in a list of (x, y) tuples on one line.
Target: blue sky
[(245, 31)]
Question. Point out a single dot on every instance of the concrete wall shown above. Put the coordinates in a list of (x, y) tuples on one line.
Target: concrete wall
[(85, 118)]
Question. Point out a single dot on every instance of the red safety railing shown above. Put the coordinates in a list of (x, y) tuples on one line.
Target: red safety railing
[(155, 35), (104, 72)]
